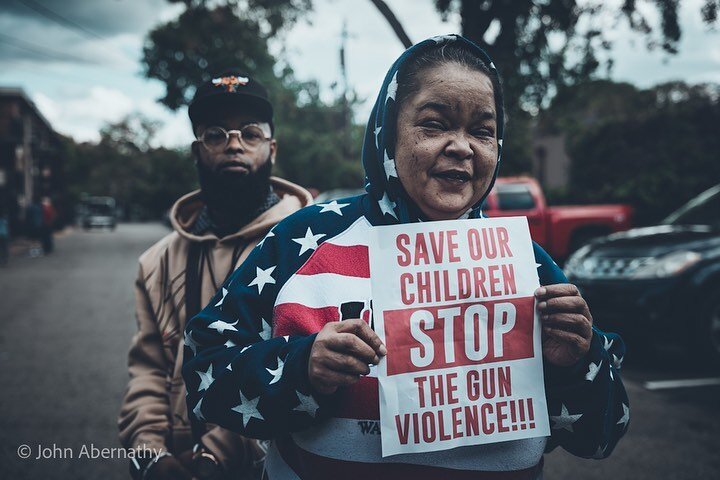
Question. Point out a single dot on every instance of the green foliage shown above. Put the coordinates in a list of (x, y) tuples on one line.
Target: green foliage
[(656, 157), (544, 45), (201, 42), (145, 181), (317, 144)]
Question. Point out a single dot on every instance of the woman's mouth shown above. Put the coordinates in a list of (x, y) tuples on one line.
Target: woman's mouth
[(455, 177)]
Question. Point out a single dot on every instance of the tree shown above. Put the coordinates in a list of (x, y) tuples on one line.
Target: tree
[(542, 45), (655, 149), (203, 40), (144, 180)]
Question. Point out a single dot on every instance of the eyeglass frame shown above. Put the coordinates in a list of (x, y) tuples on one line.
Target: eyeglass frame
[(228, 133)]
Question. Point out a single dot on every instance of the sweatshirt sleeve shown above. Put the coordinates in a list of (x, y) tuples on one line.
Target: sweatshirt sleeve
[(587, 403), (237, 375)]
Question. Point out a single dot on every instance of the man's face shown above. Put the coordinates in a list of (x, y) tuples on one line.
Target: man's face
[(236, 157)]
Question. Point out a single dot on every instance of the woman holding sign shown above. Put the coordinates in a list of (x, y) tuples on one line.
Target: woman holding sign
[(286, 350)]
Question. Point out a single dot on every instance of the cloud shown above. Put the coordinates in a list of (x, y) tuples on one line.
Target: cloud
[(89, 32), (103, 18), (80, 117)]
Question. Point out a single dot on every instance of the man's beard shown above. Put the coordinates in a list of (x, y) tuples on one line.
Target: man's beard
[(234, 198)]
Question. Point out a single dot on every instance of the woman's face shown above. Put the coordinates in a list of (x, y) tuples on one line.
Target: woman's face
[(446, 148)]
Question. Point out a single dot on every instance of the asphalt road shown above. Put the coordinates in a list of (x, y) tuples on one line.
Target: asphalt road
[(66, 321)]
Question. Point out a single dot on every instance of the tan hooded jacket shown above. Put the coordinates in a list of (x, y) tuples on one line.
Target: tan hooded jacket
[(154, 412)]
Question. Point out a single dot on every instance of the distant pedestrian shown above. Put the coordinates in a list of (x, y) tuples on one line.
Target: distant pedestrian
[(4, 239), (49, 214)]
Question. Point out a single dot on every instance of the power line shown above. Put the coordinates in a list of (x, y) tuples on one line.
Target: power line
[(57, 18), (37, 49)]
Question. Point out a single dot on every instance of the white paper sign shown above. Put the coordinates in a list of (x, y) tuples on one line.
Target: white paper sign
[(453, 302)]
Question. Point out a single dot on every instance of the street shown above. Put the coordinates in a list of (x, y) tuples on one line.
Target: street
[(67, 320)]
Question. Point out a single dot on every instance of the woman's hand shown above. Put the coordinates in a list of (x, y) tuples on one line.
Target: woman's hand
[(341, 353), (566, 323)]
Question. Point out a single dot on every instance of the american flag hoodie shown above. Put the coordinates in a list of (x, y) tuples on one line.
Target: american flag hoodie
[(246, 352)]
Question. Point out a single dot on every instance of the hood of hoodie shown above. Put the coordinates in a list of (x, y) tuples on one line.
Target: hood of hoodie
[(186, 210), (378, 155)]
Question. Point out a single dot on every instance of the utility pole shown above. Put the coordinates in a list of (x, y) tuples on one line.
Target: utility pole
[(347, 115)]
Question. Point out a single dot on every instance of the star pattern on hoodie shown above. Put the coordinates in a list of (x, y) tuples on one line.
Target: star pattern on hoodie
[(377, 131), (191, 343), (221, 326), (617, 361), (206, 378), (593, 370), (247, 409), (308, 242), (265, 329), (600, 452), (389, 166), (625, 416), (392, 88), (262, 242), (333, 206), (263, 277), (307, 404), (224, 294), (565, 420), (276, 372), (197, 411), (387, 206)]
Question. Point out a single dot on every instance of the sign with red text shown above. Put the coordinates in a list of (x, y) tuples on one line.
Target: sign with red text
[(453, 302)]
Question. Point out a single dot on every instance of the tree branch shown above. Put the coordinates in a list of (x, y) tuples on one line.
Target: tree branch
[(393, 21)]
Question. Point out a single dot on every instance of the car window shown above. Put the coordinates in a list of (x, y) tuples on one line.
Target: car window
[(701, 210), (100, 209), (514, 197)]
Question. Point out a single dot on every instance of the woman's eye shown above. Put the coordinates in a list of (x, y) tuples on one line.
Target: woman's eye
[(483, 132), (433, 125)]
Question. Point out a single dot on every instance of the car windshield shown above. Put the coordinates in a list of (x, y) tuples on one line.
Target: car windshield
[(701, 210), (514, 197), (100, 209)]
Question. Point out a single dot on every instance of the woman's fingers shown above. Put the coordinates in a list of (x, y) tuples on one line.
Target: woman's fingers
[(570, 322), (561, 298), (577, 343), (341, 354), (563, 304), (557, 290), (348, 343), (363, 331), (344, 363)]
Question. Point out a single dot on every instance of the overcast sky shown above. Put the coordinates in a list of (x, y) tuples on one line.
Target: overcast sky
[(79, 60)]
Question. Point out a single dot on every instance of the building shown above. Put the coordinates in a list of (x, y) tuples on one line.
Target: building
[(31, 158)]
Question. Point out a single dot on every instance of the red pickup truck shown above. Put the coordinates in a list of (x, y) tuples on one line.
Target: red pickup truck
[(559, 230)]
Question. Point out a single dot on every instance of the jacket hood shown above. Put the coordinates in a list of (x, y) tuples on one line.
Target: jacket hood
[(186, 210), (378, 155)]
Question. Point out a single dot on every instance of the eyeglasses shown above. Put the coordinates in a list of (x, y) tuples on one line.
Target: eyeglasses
[(216, 139)]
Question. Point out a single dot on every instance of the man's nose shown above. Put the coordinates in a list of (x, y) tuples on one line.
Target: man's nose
[(234, 143)]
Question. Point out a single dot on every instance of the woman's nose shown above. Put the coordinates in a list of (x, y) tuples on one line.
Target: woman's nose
[(459, 147)]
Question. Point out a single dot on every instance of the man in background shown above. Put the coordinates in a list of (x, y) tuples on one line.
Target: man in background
[(215, 228)]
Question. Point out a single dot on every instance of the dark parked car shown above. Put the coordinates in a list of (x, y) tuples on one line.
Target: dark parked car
[(663, 281)]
